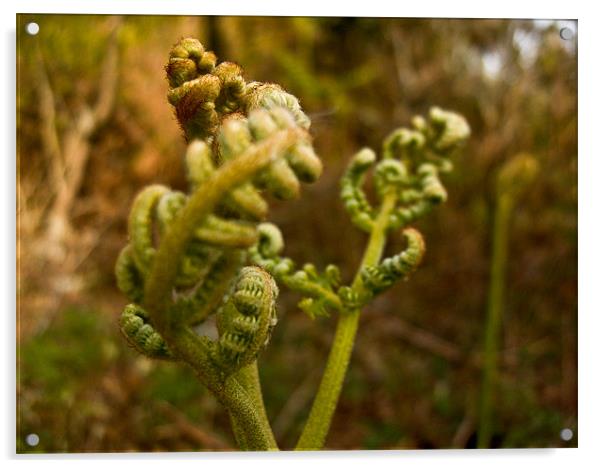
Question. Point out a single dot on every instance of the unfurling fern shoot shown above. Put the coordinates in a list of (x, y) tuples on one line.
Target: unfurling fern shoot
[(211, 252)]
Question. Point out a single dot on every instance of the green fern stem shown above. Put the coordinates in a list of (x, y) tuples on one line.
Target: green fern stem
[(318, 423), (248, 377), (229, 392)]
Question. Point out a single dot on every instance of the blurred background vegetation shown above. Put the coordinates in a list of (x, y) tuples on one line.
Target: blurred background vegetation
[(94, 127)]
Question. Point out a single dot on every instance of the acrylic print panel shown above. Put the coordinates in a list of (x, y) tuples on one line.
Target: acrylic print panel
[(215, 216)]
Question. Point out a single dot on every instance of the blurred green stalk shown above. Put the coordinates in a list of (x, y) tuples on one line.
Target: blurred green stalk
[(512, 179), (493, 322)]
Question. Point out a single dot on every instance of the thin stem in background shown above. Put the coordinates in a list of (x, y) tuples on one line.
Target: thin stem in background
[(493, 324)]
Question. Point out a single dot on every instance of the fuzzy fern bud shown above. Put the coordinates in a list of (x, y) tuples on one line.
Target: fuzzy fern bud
[(204, 93), (257, 128), (270, 96)]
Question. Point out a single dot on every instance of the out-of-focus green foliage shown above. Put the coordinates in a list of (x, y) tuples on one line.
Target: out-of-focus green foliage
[(416, 372), (56, 356)]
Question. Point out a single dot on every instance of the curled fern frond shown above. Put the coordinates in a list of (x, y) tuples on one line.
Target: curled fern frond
[(243, 139), (412, 160), (129, 279), (246, 320), (448, 130), (216, 250), (135, 326), (140, 225), (378, 278), (354, 199), (407, 185)]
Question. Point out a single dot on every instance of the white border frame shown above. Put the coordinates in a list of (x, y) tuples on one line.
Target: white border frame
[(590, 231)]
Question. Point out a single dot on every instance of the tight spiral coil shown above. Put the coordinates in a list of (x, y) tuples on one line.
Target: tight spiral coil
[(389, 271), (246, 321)]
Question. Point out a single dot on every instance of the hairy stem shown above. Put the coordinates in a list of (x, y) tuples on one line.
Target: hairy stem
[(249, 421), (318, 423), (494, 316), (239, 433), (230, 393), (248, 378)]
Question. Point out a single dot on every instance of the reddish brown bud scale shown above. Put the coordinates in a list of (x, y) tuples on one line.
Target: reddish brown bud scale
[(206, 63), (180, 70)]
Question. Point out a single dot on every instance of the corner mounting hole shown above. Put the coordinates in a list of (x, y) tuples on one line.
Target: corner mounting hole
[(32, 28), (566, 34), (566, 434), (32, 440)]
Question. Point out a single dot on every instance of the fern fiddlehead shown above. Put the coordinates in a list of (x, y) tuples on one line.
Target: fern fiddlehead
[(408, 174), (141, 335), (381, 277), (208, 252), (246, 321), (407, 187), (187, 252)]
